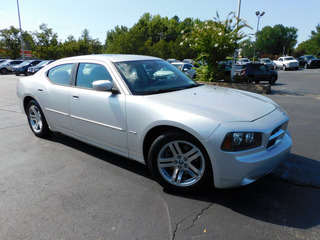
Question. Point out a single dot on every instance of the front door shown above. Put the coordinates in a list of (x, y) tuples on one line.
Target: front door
[(98, 116)]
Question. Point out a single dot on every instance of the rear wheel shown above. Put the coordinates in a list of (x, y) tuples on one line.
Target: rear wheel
[(179, 162), (250, 80), (36, 120), (272, 81)]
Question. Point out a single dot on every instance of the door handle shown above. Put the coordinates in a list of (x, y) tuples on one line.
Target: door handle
[(75, 97), (40, 90)]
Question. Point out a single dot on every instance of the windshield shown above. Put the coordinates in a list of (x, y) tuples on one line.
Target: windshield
[(244, 60), (5, 62), (239, 67), (288, 58), (310, 57), (179, 66), (25, 63), (152, 76), (265, 60), (43, 63)]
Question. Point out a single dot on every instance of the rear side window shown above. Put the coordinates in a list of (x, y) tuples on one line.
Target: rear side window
[(60, 74), (90, 72)]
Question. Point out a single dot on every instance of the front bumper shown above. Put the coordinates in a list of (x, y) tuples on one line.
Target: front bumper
[(233, 169)]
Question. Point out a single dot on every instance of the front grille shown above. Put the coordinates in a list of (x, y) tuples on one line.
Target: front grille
[(276, 135)]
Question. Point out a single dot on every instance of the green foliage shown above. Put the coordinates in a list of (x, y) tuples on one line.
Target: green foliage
[(311, 46), (276, 40), (151, 35), (11, 44), (214, 41)]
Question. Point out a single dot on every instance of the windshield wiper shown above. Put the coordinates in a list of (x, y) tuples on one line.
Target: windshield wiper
[(173, 89)]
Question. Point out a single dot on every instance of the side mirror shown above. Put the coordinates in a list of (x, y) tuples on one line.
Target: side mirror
[(102, 85), (185, 69)]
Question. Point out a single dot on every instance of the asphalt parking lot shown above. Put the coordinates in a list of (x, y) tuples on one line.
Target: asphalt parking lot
[(61, 188)]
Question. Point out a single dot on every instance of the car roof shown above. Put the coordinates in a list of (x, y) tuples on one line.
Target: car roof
[(113, 57)]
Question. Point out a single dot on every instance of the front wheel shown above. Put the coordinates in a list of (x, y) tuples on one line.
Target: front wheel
[(36, 120), (179, 162), (4, 71), (284, 68), (306, 65)]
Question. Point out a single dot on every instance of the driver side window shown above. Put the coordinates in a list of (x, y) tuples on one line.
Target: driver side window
[(89, 72)]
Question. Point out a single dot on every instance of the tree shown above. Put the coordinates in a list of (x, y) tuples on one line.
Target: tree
[(276, 40), (10, 42), (46, 43), (311, 46), (214, 41)]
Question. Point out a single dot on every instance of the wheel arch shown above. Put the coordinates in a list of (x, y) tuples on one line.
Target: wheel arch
[(156, 131), (26, 101)]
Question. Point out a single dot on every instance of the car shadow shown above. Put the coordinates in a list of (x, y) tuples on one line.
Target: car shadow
[(278, 198)]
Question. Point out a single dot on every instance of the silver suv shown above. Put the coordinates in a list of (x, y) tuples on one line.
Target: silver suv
[(6, 66)]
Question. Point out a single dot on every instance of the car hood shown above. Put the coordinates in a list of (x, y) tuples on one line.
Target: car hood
[(218, 103)]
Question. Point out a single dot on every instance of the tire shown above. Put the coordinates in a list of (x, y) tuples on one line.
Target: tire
[(178, 162), (284, 68), (26, 73), (274, 67), (4, 71), (17, 74), (306, 65), (37, 121), (257, 81), (272, 81)]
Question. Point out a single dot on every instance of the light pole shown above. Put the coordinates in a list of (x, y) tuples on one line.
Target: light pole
[(235, 51), (259, 15), (21, 38)]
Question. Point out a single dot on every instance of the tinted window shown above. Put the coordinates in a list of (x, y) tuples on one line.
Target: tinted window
[(90, 72), (152, 76), (60, 74)]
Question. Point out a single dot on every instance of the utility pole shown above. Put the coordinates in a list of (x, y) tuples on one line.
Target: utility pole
[(235, 52), (259, 15), (21, 38)]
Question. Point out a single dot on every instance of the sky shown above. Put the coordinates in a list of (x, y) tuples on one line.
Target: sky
[(71, 17)]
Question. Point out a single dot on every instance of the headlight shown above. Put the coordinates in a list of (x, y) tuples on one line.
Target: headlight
[(239, 141)]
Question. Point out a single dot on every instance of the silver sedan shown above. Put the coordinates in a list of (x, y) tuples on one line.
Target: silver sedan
[(145, 109)]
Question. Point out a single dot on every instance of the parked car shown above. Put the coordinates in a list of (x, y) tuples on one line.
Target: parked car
[(23, 67), (286, 63), (2, 60), (267, 62), (188, 134), (7, 66), (308, 61), (242, 61), (171, 60), (188, 61), (187, 68), (257, 72), (34, 69)]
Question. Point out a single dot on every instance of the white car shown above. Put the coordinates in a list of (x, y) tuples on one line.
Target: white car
[(187, 68), (286, 63), (243, 61), (145, 109)]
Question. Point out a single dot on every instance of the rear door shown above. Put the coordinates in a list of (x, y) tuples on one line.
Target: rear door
[(53, 94)]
